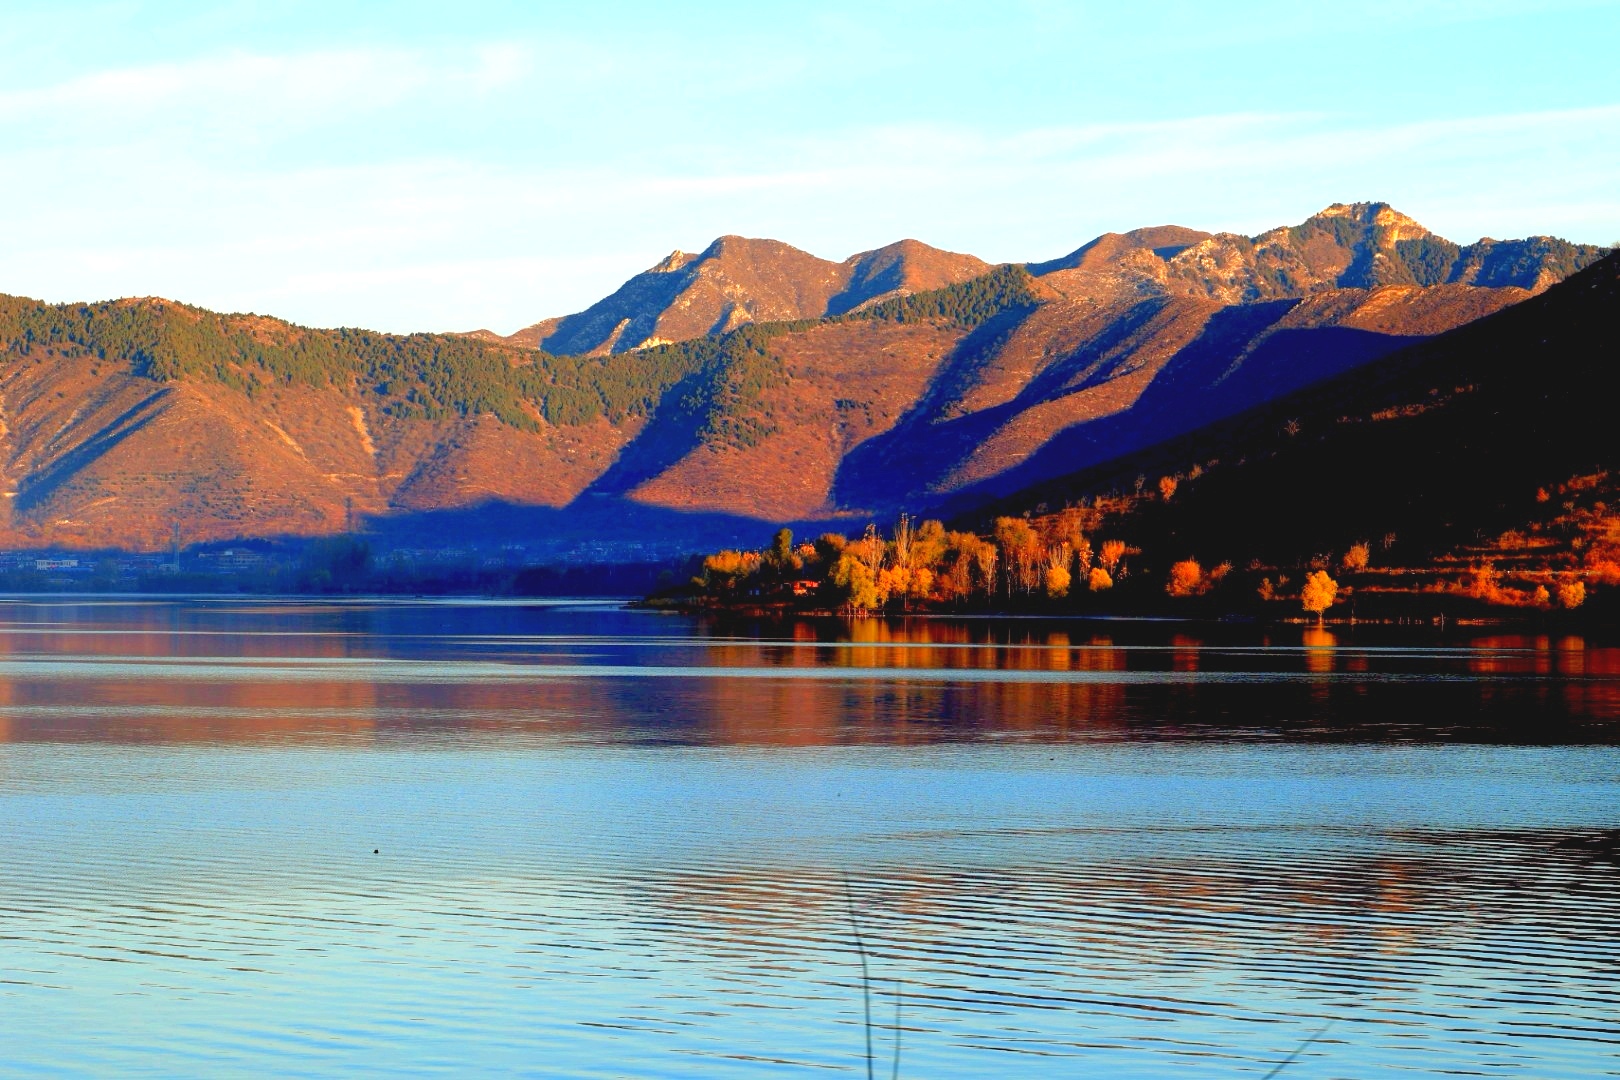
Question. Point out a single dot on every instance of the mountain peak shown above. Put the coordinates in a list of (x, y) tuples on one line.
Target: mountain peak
[(1389, 224), (672, 262), (742, 279), (733, 246), (1360, 245), (1366, 213)]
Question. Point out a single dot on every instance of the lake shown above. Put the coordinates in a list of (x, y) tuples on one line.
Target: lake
[(242, 837)]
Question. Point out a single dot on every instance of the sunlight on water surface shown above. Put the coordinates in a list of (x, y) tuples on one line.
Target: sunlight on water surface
[(245, 838)]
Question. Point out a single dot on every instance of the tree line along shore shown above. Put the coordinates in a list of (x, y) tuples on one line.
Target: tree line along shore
[(1049, 564)]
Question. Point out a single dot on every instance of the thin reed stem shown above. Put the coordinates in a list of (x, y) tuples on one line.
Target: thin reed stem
[(1300, 1049), (895, 1073), (866, 977)]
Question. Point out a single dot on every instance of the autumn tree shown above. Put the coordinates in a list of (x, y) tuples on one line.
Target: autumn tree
[(1484, 583), (1057, 577), (869, 549), (829, 546), (1186, 579), (1110, 554), (784, 562), (1099, 580), (1355, 560), (985, 558), (1318, 593), (1083, 556), (1571, 594), (856, 585), (727, 571), (1021, 553), (1167, 487), (929, 545), (894, 581), (900, 545), (955, 580), (1062, 527)]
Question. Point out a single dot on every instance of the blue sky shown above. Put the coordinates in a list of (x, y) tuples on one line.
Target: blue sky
[(436, 166)]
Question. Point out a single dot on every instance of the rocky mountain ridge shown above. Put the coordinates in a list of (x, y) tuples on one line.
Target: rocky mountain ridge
[(737, 280), (1355, 246), (921, 380)]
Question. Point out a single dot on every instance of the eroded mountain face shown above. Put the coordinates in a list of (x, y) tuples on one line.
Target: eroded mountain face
[(911, 378), (737, 280), (1354, 246)]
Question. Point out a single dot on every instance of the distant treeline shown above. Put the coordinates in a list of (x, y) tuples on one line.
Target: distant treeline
[(918, 567), (1048, 563), (435, 376), (346, 565)]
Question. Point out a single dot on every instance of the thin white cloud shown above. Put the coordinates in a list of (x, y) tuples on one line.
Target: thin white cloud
[(459, 242), (149, 102)]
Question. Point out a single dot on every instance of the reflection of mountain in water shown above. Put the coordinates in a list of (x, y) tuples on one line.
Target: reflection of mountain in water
[(167, 672)]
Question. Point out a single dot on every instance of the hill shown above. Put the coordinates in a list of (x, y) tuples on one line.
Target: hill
[(903, 378), (1346, 246), (1478, 461), (736, 281)]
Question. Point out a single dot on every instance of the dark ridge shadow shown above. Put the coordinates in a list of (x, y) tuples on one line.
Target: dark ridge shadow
[(1221, 374), (44, 484), (607, 521), (924, 443), (889, 469), (962, 369), (1062, 262), (866, 284), (1441, 443), (1170, 404), (641, 300), (1087, 366), (720, 323), (672, 432)]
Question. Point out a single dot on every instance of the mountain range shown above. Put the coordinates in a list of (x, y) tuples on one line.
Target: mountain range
[(750, 385), (1486, 449)]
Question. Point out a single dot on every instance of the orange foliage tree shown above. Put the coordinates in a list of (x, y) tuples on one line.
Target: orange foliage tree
[(1021, 553), (1319, 593), (1186, 578), (1111, 553)]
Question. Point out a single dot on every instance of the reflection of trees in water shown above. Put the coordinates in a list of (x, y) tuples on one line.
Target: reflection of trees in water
[(1319, 645), (829, 682), (1585, 675)]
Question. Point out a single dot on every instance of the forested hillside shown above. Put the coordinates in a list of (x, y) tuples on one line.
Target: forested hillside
[(1473, 474), (127, 421)]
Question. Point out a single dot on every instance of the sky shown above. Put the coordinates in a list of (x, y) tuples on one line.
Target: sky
[(412, 166)]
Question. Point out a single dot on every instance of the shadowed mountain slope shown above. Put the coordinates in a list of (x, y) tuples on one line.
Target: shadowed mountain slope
[(1502, 426)]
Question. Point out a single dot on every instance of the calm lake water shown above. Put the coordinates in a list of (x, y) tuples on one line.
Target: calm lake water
[(333, 839)]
